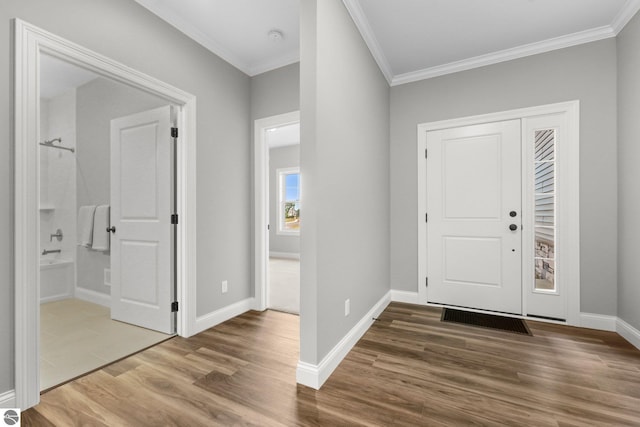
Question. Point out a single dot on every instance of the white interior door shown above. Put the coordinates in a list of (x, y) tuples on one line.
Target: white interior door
[(473, 198), (141, 203)]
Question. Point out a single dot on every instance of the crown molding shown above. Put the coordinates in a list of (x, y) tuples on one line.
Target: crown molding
[(166, 14), (362, 23), (182, 25), (506, 55), (628, 11)]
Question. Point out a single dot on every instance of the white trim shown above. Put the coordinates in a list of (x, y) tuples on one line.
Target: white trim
[(556, 43), (315, 375), (8, 399), (628, 332), (570, 225), (194, 33), (362, 23), (308, 374), (600, 322), (261, 201), (358, 16), (185, 26), (222, 315), (54, 298), (404, 296), (604, 322), (628, 11), (285, 255), (30, 42), (93, 296)]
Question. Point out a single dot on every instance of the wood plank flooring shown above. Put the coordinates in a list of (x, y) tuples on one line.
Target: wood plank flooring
[(409, 369)]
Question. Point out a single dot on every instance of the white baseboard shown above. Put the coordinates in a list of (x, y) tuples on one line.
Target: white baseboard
[(404, 296), (315, 375), (8, 399), (55, 298), (93, 296), (285, 255), (612, 324), (628, 332), (308, 374), (222, 315), (598, 321)]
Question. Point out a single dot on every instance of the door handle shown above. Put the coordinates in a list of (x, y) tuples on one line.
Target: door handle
[(513, 227), (111, 229)]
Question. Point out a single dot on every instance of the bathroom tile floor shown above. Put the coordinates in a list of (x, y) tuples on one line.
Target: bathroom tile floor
[(284, 285), (77, 337)]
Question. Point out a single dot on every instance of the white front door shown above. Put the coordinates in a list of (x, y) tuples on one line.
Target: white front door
[(141, 207), (474, 217)]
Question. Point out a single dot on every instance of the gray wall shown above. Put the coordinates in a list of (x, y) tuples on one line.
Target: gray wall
[(275, 92), (586, 73), (629, 172), (345, 170), (97, 103), (146, 43), (281, 157)]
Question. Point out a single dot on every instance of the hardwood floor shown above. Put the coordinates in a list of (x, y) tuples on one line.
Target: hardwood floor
[(409, 369)]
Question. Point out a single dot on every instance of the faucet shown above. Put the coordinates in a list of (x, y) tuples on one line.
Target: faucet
[(58, 235), (52, 251)]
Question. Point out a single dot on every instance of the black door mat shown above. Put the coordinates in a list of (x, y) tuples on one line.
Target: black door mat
[(490, 321)]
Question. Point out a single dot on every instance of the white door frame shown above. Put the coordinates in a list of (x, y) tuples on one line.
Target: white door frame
[(568, 218), (30, 43), (261, 201)]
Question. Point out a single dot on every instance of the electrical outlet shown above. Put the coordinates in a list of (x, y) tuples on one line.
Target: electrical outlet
[(225, 286), (347, 307)]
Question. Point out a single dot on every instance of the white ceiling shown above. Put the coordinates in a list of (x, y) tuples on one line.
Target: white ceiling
[(410, 39)]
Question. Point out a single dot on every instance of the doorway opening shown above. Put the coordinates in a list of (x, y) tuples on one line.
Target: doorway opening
[(283, 284), (277, 214), (80, 326), (31, 46)]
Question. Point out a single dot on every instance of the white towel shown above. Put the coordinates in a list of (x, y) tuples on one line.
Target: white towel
[(100, 225), (85, 225)]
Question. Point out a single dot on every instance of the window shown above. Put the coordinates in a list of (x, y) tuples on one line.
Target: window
[(289, 201), (545, 205)]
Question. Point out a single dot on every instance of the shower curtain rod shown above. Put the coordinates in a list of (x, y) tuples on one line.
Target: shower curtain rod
[(59, 147)]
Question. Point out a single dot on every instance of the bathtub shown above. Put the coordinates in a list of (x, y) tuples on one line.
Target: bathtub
[(56, 279)]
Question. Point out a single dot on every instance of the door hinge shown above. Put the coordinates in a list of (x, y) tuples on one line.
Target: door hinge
[(174, 219), (174, 132), (426, 217), (174, 306), (426, 282), (425, 153)]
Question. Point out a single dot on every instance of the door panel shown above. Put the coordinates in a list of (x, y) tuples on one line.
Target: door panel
[(138, 263), (472, 261), (473, 183), (139, 171), (471, 188), (141, 198)]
